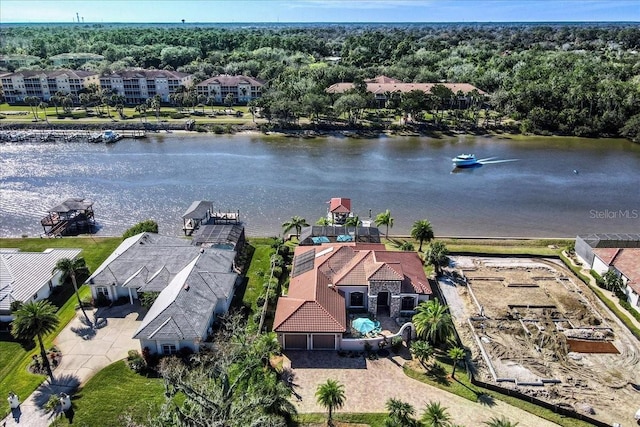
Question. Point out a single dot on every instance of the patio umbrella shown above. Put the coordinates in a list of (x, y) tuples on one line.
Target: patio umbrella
[(363, 325)]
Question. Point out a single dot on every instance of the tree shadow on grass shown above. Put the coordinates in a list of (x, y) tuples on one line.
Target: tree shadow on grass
[(438, 373), (486, 399)]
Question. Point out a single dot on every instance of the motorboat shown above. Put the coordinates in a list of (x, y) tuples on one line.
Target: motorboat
[(109, 136), (465, 160)]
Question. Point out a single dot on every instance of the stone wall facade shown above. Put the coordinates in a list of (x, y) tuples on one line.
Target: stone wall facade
[(393, 287)]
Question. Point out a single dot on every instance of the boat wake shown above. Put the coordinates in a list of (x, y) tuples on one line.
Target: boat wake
[(491, 161)]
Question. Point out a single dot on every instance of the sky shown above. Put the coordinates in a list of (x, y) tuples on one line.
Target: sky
[(229, 11)]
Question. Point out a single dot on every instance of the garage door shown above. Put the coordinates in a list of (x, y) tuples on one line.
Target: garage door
[(295, 342), (324, 342)]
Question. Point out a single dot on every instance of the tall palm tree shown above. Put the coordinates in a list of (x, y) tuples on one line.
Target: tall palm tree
[(33, 320), (69, 268), (435, 415), (422, 351), (437, 255), (296, 222), (385, 218), (400, 413), (456, 354), (43, 106), (433, 321), (422, 231), (331, 396), (500, 422), (353, 221)]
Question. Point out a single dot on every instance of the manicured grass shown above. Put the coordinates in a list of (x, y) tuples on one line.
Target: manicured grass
[(258, 272), (364, 419), (532, 247), (113, 392), (15, 358)]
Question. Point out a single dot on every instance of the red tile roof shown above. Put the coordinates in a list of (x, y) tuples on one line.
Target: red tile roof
[(383, 84), (339, 205), (313, 303), (606, 254), (627, 262)]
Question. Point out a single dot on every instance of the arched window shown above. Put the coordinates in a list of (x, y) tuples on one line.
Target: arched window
[(357, 299)]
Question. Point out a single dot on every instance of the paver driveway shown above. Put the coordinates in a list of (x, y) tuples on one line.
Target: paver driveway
[(369, 383)]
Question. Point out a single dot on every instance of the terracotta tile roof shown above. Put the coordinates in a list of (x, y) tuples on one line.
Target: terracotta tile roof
[(627, 262), (339, 205), (606, 254), (383, 84), (313, 303), (228, 80)]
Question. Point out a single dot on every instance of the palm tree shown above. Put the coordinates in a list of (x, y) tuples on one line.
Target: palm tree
[(385, 218), (296, 222), (69, 268), (422, 351), (43, 106), (435, 415), (433, 321), (331, 396), (33, 320), (422, 231), (437, 255), (500, 422), (33, 104), (353, 221), (323, 220), (456, 354), (399, 413)]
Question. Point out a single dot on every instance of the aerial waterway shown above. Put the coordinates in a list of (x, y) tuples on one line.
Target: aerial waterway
[(538, 187)]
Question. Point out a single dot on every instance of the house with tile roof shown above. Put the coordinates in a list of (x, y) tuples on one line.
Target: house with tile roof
[(382, 86), (329, 280), (625, 262), (195, 285), (29, 276)]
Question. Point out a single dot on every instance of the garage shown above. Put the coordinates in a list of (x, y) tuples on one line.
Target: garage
[(324, 342), (295, 341)]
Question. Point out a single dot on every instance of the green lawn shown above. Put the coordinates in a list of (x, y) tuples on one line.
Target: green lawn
[(258, 273), (532, 247), (15, 358), (113, 392)]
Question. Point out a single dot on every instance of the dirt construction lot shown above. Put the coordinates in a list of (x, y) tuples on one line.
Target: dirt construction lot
[(544, 333)]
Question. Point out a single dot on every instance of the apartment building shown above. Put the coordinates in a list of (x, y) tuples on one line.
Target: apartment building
[(17, 60), (242, 88), (45, 84), (139, 85)]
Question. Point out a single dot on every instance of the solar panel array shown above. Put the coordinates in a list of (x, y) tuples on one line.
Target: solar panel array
[(303, 263)]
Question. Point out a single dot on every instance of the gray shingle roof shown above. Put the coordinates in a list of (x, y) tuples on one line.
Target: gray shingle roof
[(183, 309)]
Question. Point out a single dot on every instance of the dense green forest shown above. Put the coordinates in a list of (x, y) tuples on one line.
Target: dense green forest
[(563, 79)]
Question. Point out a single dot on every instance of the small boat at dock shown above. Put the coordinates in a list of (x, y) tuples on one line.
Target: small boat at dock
[(110, 136)]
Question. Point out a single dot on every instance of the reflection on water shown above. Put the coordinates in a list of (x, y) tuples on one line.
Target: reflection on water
[(524, 188)]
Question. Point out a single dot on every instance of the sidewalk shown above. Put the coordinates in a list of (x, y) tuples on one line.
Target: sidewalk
[(85, 351)]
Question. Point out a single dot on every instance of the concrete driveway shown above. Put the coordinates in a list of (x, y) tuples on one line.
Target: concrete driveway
[(370, 383), (85, 351)]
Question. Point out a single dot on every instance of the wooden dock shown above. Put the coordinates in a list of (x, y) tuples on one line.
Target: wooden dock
[(67, 135)]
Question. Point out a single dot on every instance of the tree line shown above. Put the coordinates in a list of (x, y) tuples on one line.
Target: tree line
[(563, 79)]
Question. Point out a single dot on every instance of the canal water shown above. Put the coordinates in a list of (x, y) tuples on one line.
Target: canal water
[(542, 187)]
